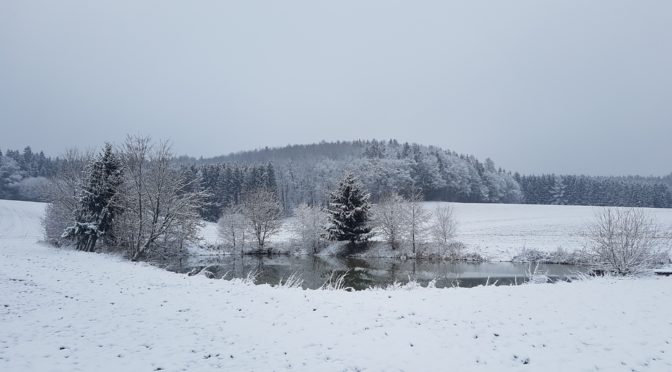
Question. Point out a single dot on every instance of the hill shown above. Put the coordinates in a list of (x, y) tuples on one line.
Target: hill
[(305, 173)]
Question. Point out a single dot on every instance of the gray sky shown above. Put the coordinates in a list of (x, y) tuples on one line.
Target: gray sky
[(568, 86)]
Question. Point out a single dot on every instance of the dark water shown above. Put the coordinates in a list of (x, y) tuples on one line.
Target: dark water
[(365, 273)]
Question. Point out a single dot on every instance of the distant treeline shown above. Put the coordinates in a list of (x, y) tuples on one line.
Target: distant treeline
[(23, 174), (603, 191), (305, 174), (226, 184)]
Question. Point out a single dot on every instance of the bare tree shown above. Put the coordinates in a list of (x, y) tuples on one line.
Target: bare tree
[(62, 192), (159, 206), (390, 216), (308, 225), (416, 220), (443, 228), (627, 241), (263, 213), (233, 227)]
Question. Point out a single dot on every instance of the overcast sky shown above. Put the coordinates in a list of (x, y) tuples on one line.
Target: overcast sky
[(539, 86)]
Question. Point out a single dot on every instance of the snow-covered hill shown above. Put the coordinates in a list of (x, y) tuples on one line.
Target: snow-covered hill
[(63, 310)]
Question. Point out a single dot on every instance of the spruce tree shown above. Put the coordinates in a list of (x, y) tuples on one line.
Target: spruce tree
[(97, 201), (348, 212), (558, 192)]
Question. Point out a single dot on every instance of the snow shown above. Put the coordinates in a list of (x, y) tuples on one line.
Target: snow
[(21, 220), (63, 310), (501, 231)]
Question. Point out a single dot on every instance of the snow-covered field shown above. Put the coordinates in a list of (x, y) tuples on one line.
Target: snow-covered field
[(62, 310), (500, 231)]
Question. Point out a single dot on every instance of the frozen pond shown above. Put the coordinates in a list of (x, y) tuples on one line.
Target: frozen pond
[(365, 273)]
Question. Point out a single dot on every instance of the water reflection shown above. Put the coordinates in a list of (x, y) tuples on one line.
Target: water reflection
[(365, 273)]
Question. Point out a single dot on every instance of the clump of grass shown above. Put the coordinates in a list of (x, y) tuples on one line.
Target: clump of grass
[(292, 281), (336, 283), (250, 278)]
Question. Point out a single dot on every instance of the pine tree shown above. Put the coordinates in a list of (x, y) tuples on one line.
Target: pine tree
[(270, 179), (558, 192), (348, 212), (98, 201)]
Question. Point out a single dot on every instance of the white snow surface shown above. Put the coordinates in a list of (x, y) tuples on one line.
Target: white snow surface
[(501, 231), (63, 310)]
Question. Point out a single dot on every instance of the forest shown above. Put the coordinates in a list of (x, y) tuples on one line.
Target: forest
[(305, 174)]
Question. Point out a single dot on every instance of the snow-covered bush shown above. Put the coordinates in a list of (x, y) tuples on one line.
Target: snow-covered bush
[(417, 218), (160, 206), (535, 275), (559, 256), (233, 228), (627, 241), (263, 214), (308, 226), (62, 195), (32, 188), (443, 230), (454, 251), (390, 218)]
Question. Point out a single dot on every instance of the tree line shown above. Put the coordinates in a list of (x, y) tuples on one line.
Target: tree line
[(305, 173), (225, 184), (23, 174), (599, 191)]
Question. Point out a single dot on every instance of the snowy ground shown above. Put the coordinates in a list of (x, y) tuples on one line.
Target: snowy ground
[(62, 310), (500, 231)]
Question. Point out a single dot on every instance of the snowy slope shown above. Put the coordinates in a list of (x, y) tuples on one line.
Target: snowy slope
[(62, 310), (21, 220)]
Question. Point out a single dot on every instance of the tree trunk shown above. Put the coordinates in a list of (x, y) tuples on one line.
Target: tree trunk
[(91, 243)]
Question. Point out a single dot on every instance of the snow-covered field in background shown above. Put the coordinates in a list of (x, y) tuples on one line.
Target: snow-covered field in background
[(501, 231), (21, 220), (62, 310)]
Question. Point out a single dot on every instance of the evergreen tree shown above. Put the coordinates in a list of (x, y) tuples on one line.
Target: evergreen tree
[(558, 192), (270, 182), (98, 201), (348, 212)]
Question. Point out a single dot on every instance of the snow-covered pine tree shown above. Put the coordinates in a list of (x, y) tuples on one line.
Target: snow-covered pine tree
[(98, 204), (348, 212)]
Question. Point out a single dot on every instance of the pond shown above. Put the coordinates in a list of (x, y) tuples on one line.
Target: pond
[(365, 273)]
